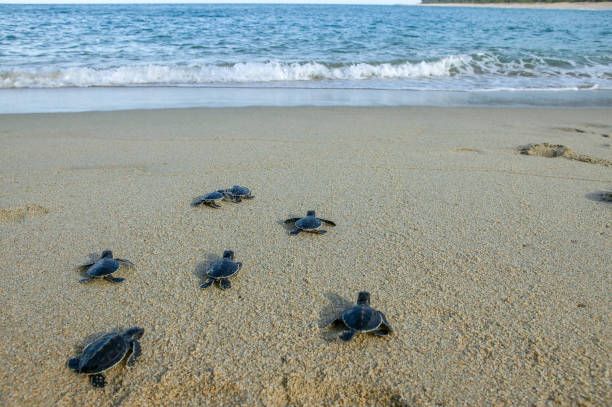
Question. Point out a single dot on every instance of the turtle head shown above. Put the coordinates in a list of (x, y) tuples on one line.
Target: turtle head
[(228, 254), (134, 333), (310, 213), (107, 254), (363, 298)]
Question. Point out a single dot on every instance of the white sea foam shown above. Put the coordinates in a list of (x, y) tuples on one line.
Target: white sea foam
[(456, 66), (210, 74)]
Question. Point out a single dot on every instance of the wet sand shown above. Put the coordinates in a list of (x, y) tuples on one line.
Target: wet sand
[(492, 266)]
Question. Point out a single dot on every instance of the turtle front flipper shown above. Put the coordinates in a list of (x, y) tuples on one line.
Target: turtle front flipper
[(385, 327), (114, 279), (97, 380), (295, 231), (212, 205), (292, 220), (207, 283), (347, 335), (329, 222), (136, 352), (224, 284), (125, 263), (237, 199), (320, 231)]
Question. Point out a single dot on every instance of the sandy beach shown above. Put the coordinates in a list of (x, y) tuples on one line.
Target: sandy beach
[(493, 267), (603, 5)]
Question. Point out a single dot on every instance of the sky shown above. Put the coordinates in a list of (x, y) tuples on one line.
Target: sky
[(218, 1)]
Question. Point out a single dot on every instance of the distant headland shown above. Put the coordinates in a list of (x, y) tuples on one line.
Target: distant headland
[(550, 4)]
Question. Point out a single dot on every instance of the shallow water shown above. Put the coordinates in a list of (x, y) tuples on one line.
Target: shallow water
[(373, 47)]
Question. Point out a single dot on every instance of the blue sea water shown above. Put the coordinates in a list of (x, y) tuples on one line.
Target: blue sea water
[(271, 46)]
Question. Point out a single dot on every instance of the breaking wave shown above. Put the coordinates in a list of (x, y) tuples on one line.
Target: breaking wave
[(469, 66)]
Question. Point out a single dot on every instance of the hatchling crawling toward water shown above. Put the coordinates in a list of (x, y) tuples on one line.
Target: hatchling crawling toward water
[(222, 270), (237, 193), (212, 199), (104, 266), (106, 352), (362, 318), (309, 223)]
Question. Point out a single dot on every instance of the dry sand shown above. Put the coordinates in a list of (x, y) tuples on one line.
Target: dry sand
[(492, 266), (582, 5)]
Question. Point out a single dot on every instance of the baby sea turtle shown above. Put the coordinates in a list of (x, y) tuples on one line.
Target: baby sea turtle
[(237, 193), (211, 199), (309, 223), (362, 318), (222, 270), (105, 352), (104, 267)]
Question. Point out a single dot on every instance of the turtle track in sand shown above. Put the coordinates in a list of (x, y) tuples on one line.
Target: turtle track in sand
[(19, 213), (559, 150)]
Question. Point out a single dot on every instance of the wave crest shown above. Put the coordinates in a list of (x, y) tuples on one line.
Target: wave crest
[(210, 74), (469, 66)]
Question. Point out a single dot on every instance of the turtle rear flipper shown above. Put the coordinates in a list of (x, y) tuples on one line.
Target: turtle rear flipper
[(224, 284), (197, 201), (114, 279), (85, 280), (335, 322), (136, 352), (73, 363), (347, 335), (97, 380), (207, 283), (329, 222), (295, 231)]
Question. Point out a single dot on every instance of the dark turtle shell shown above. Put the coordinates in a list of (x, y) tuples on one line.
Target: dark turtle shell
[(103, 353), (224, 268), (308, 223), (362, 318), (239, 191), (103, 267), (210, 197)]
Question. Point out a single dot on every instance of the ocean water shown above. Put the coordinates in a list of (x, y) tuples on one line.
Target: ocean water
[(317, 47)]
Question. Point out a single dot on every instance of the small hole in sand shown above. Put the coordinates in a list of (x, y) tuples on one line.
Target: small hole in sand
[(545, 150)]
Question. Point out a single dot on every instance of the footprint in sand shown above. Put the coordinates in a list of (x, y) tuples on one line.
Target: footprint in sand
[(597, 127), (571, 129), (559, 150), (20, 213)]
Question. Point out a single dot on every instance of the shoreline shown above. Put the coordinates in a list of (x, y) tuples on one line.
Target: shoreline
[(143, 98), (587, 6), (490, 265)]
